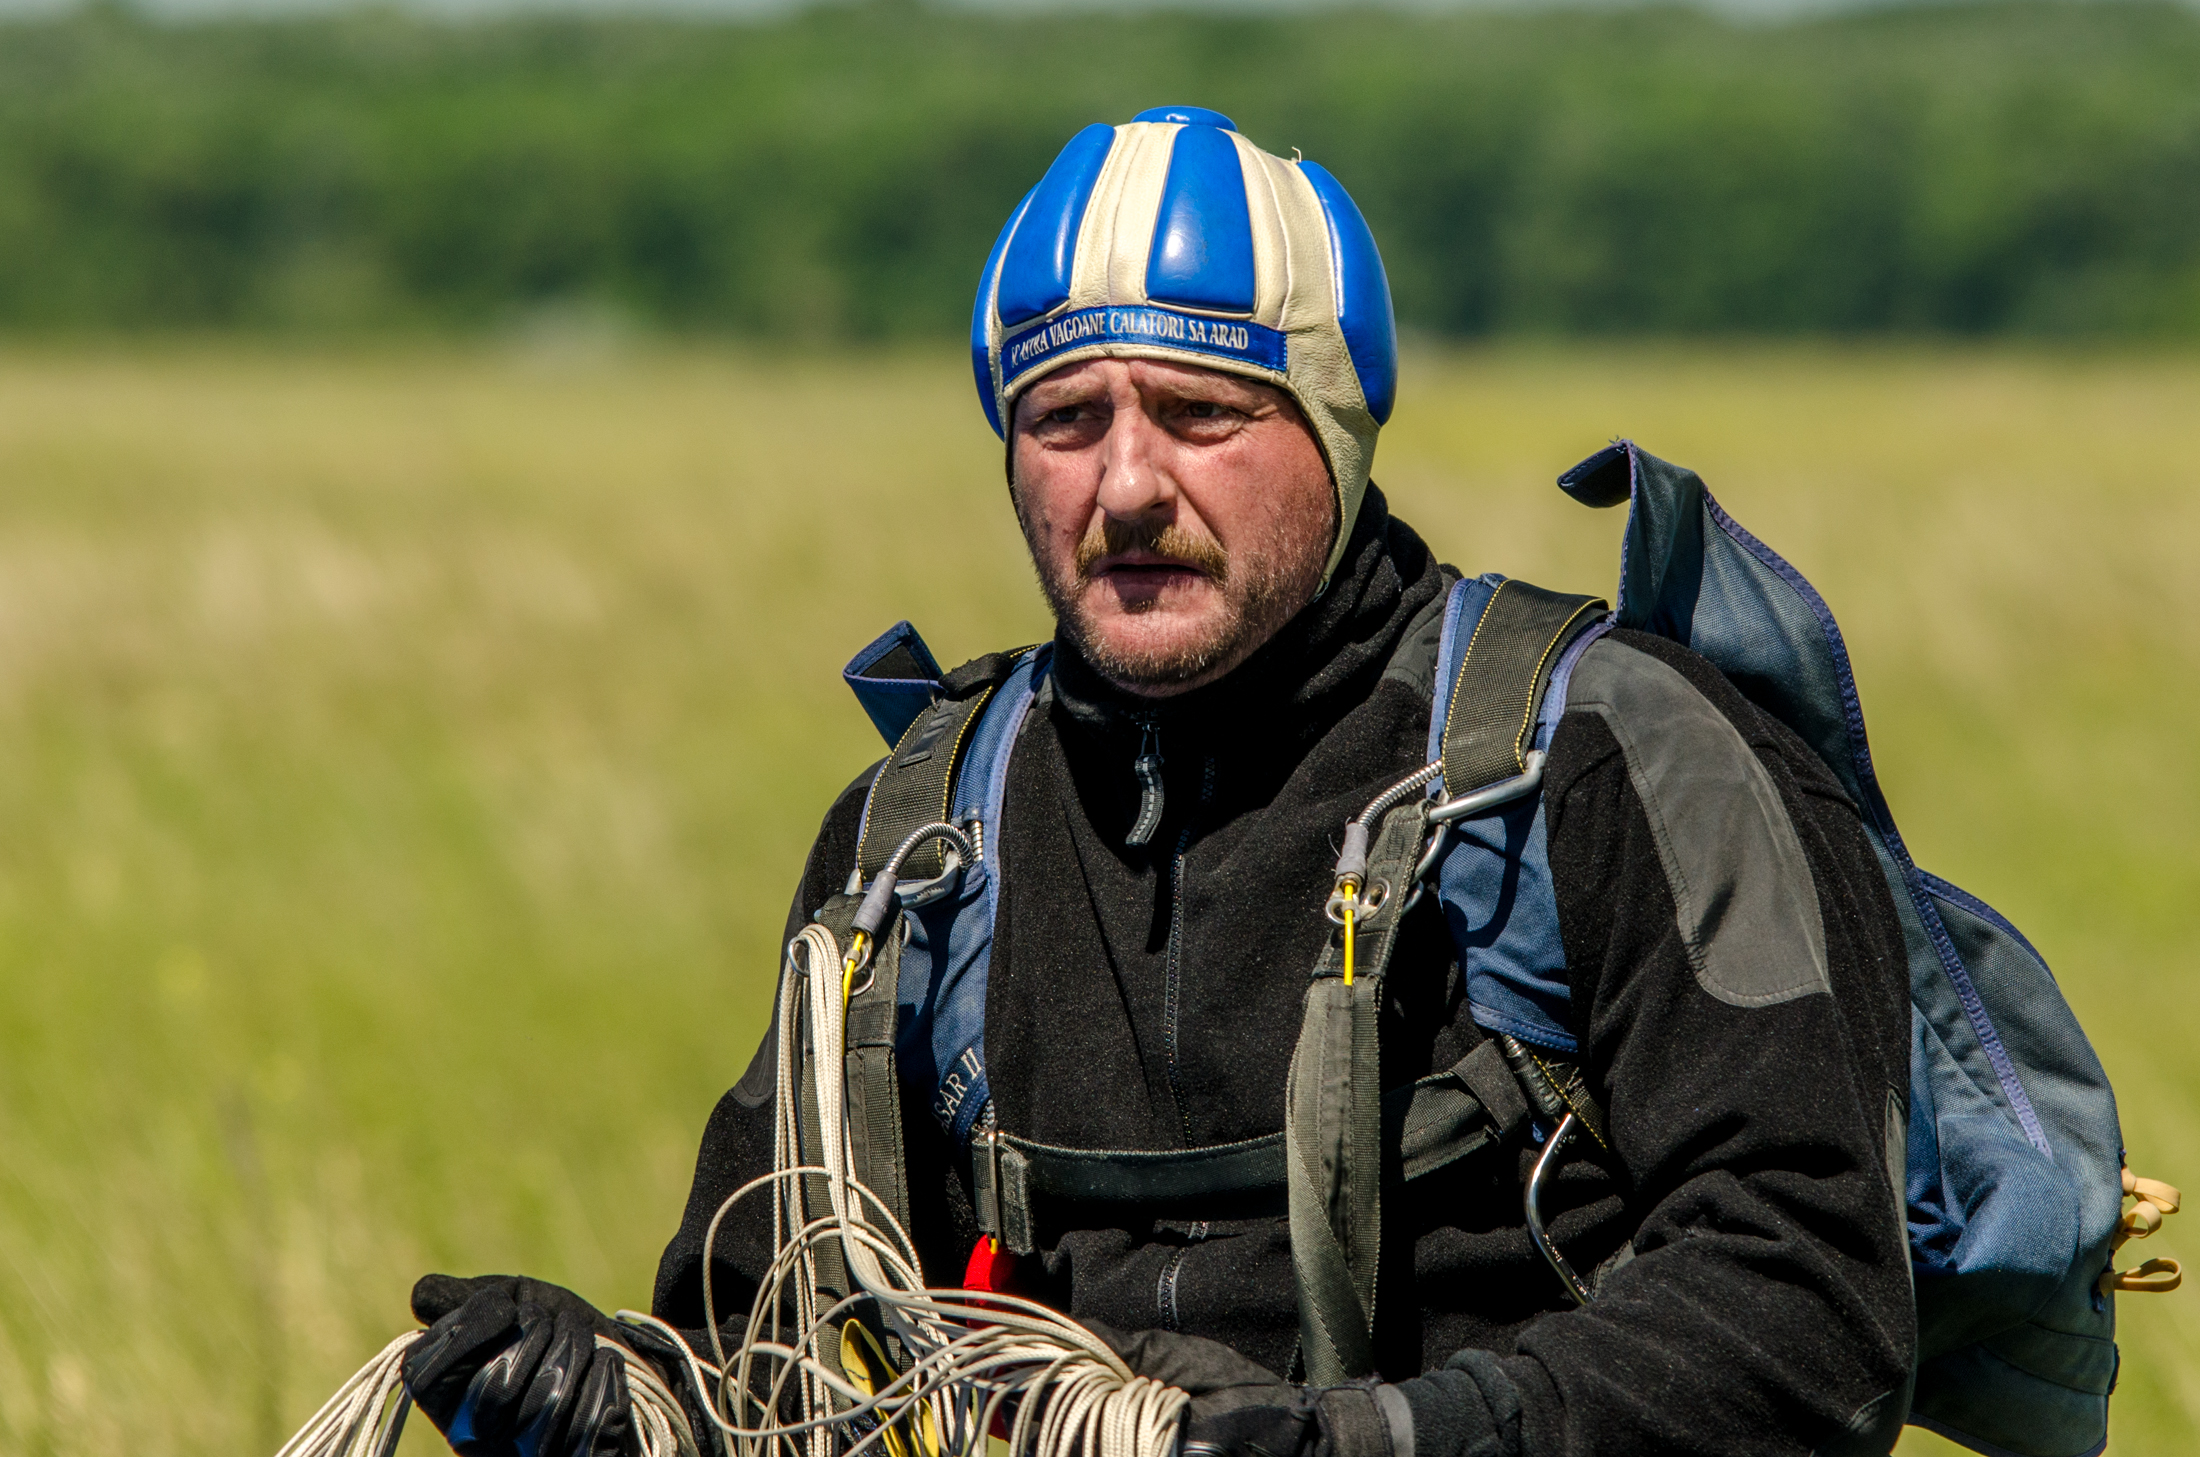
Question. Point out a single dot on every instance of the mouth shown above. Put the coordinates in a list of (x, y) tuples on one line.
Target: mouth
[(1146, 569)]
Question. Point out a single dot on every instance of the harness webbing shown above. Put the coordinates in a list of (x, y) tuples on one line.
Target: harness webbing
[(1333, 1126), (1332, 1121), (916, 787), (1433, 1123), (876, 1146), (1502, 680)]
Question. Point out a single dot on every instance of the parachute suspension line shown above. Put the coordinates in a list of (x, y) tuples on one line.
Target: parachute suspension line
[(360, 1420), (813, 1378), (970, 1374)]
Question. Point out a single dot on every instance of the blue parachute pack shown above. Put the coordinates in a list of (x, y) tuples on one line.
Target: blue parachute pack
[(2014, 1180)]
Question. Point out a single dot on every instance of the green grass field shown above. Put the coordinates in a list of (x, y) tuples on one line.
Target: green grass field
[(405, 758)]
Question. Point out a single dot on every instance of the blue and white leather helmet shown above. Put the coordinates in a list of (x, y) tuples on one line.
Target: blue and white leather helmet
[(1172, 237)]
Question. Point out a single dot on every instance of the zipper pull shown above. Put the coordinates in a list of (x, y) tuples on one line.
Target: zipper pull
[(1147, 767)]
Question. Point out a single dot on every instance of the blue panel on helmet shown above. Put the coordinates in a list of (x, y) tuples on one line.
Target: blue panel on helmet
[(1202, 254), (981, 361), (1189, 115), (1035, 269), (1363, 294)]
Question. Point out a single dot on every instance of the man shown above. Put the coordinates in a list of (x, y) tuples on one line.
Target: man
[(1187, 346)]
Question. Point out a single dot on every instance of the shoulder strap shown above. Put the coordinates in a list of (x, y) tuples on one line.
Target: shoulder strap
[(1335, 1135), (1503, 674), (951, 764), (946, 739), (916, 786), (1333, 1126), (1491, 869)]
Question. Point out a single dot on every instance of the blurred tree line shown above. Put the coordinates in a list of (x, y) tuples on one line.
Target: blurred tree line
[(838, 173)]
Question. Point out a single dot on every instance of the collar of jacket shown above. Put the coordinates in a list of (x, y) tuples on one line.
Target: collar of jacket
[(1322, 662)]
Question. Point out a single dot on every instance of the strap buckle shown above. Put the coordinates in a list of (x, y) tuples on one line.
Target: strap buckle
[(1000, 1178), (985, 1176), (1364, 901)]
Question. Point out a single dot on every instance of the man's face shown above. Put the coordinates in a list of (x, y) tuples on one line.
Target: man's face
[(1177, 516)]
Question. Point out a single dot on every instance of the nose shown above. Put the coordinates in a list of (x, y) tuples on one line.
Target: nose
[(1134, 476)]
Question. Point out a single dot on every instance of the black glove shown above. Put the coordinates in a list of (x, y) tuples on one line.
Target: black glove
[(510, 1368), (1289, 1426), (1242, 1409)]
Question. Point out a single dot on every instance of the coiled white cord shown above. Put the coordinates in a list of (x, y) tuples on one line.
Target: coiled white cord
[(360, 1420), (808, 1381), (970, 1356)]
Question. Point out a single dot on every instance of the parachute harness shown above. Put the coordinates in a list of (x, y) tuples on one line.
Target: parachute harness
[(962, 1373), (811, 1379)]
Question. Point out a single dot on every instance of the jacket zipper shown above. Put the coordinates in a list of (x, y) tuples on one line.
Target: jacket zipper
[(1147, 766), (1176, 943)]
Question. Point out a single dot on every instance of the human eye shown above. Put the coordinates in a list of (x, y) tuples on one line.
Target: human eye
[(1205, 419), (1045, 416), (1063, 422)]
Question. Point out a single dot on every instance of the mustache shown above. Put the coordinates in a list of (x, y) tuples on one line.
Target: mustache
[(1109, 537)]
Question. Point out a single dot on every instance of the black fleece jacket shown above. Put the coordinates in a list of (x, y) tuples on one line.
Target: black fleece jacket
[(1150, 997)]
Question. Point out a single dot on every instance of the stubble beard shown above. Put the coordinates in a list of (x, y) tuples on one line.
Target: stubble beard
[(1256, 588)]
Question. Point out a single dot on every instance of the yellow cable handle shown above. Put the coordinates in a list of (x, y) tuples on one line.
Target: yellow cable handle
[(1351, 902), (859, 1353), (2153, 1202), (848, 968)]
